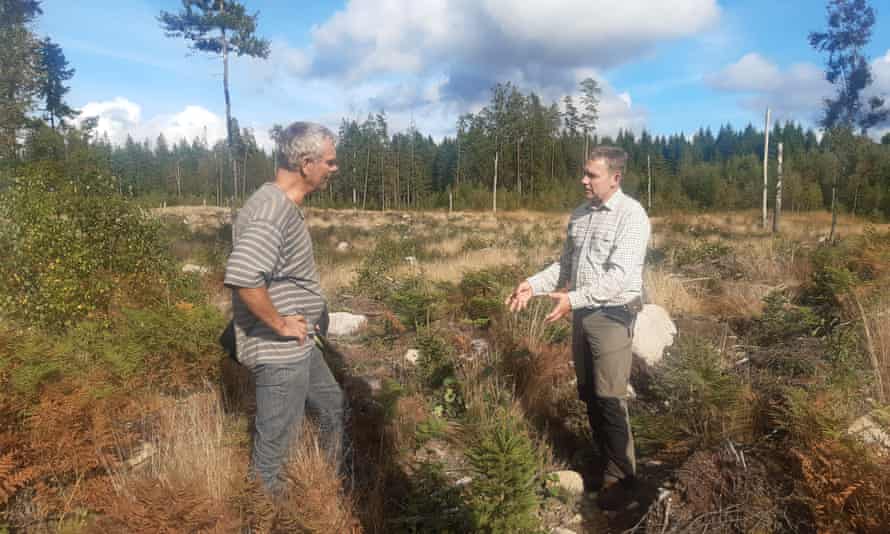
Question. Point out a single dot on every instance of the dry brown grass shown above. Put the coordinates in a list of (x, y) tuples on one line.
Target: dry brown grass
[(181, 478), (671, 292), (337, 276), (192, 444), (453, 269), (877, 322), (313, 499)]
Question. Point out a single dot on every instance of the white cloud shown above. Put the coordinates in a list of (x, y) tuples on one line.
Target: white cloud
[(120, 117), (880, 69), (751, 73), (795, 93), (476, 41), (114, 117)]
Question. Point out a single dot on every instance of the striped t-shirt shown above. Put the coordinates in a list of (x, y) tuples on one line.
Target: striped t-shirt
[(272, 249), (602, 259)]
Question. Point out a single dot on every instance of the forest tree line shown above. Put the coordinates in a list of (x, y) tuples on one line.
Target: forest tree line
[(529, 151)]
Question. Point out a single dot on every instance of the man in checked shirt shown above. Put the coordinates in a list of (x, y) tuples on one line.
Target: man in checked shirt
[(598, 280)]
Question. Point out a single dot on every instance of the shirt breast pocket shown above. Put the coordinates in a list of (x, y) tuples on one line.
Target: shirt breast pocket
[(602, 243)]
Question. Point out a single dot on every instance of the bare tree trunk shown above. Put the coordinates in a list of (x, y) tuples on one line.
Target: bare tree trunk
[(367, 167), (831, 233), (382, 178), (778, 207), (518, 179), (457, 179), (765, 162), (178, 180), (398, 189), (552, 157), (494, 188), (649, 172)]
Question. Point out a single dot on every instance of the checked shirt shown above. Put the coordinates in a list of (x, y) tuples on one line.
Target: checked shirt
[(602, 259)]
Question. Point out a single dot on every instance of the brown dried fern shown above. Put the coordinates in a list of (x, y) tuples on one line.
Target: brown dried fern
[(12, 478)]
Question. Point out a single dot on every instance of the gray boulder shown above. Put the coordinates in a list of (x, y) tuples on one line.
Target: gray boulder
[(345, 324), (654, 331)]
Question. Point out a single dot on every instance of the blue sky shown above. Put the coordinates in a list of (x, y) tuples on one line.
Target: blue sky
[(666, 65)]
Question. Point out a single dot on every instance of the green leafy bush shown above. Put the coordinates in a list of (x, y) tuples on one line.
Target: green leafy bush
[(68, 245), (374, 275), (504, 465)]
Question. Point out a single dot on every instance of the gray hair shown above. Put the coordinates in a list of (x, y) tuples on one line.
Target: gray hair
[(301, 140)]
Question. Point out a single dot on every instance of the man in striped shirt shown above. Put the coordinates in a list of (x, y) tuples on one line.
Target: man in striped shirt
[(598, 280), (277, 301)]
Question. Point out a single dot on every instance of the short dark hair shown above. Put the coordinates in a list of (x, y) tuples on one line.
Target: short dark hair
[(301, 140), (615, 157)]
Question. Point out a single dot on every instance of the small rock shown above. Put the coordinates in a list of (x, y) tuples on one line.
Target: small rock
[(870, 432), (478, 346), (578, 518), (345, 324), (146, 451), (411, 356), (192, 268), (464, 481), (561, 530), (411, 260), (570, 481), (342, 246)]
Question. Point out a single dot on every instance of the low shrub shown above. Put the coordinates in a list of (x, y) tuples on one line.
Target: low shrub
[(437, 358), (706, 401), (432, 504), (412, 299), (69, 244), (781, 320)]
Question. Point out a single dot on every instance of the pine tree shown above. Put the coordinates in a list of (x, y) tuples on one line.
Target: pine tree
[(19, 70), (55, 73)]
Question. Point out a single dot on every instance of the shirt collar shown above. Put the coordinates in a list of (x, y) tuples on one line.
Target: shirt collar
[(613, 203)]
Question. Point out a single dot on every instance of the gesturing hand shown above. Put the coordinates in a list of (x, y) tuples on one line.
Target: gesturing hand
[(561, 307), (293, 326), (518, 299)]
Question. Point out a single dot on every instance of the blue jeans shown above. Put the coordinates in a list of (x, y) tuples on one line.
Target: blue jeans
[(282, 393)]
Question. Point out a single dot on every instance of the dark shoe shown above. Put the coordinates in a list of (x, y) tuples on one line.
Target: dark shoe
[(616, 494)]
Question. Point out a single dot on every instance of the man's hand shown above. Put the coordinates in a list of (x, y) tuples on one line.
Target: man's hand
[(561, 307), (518, 300), (292, 326)]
